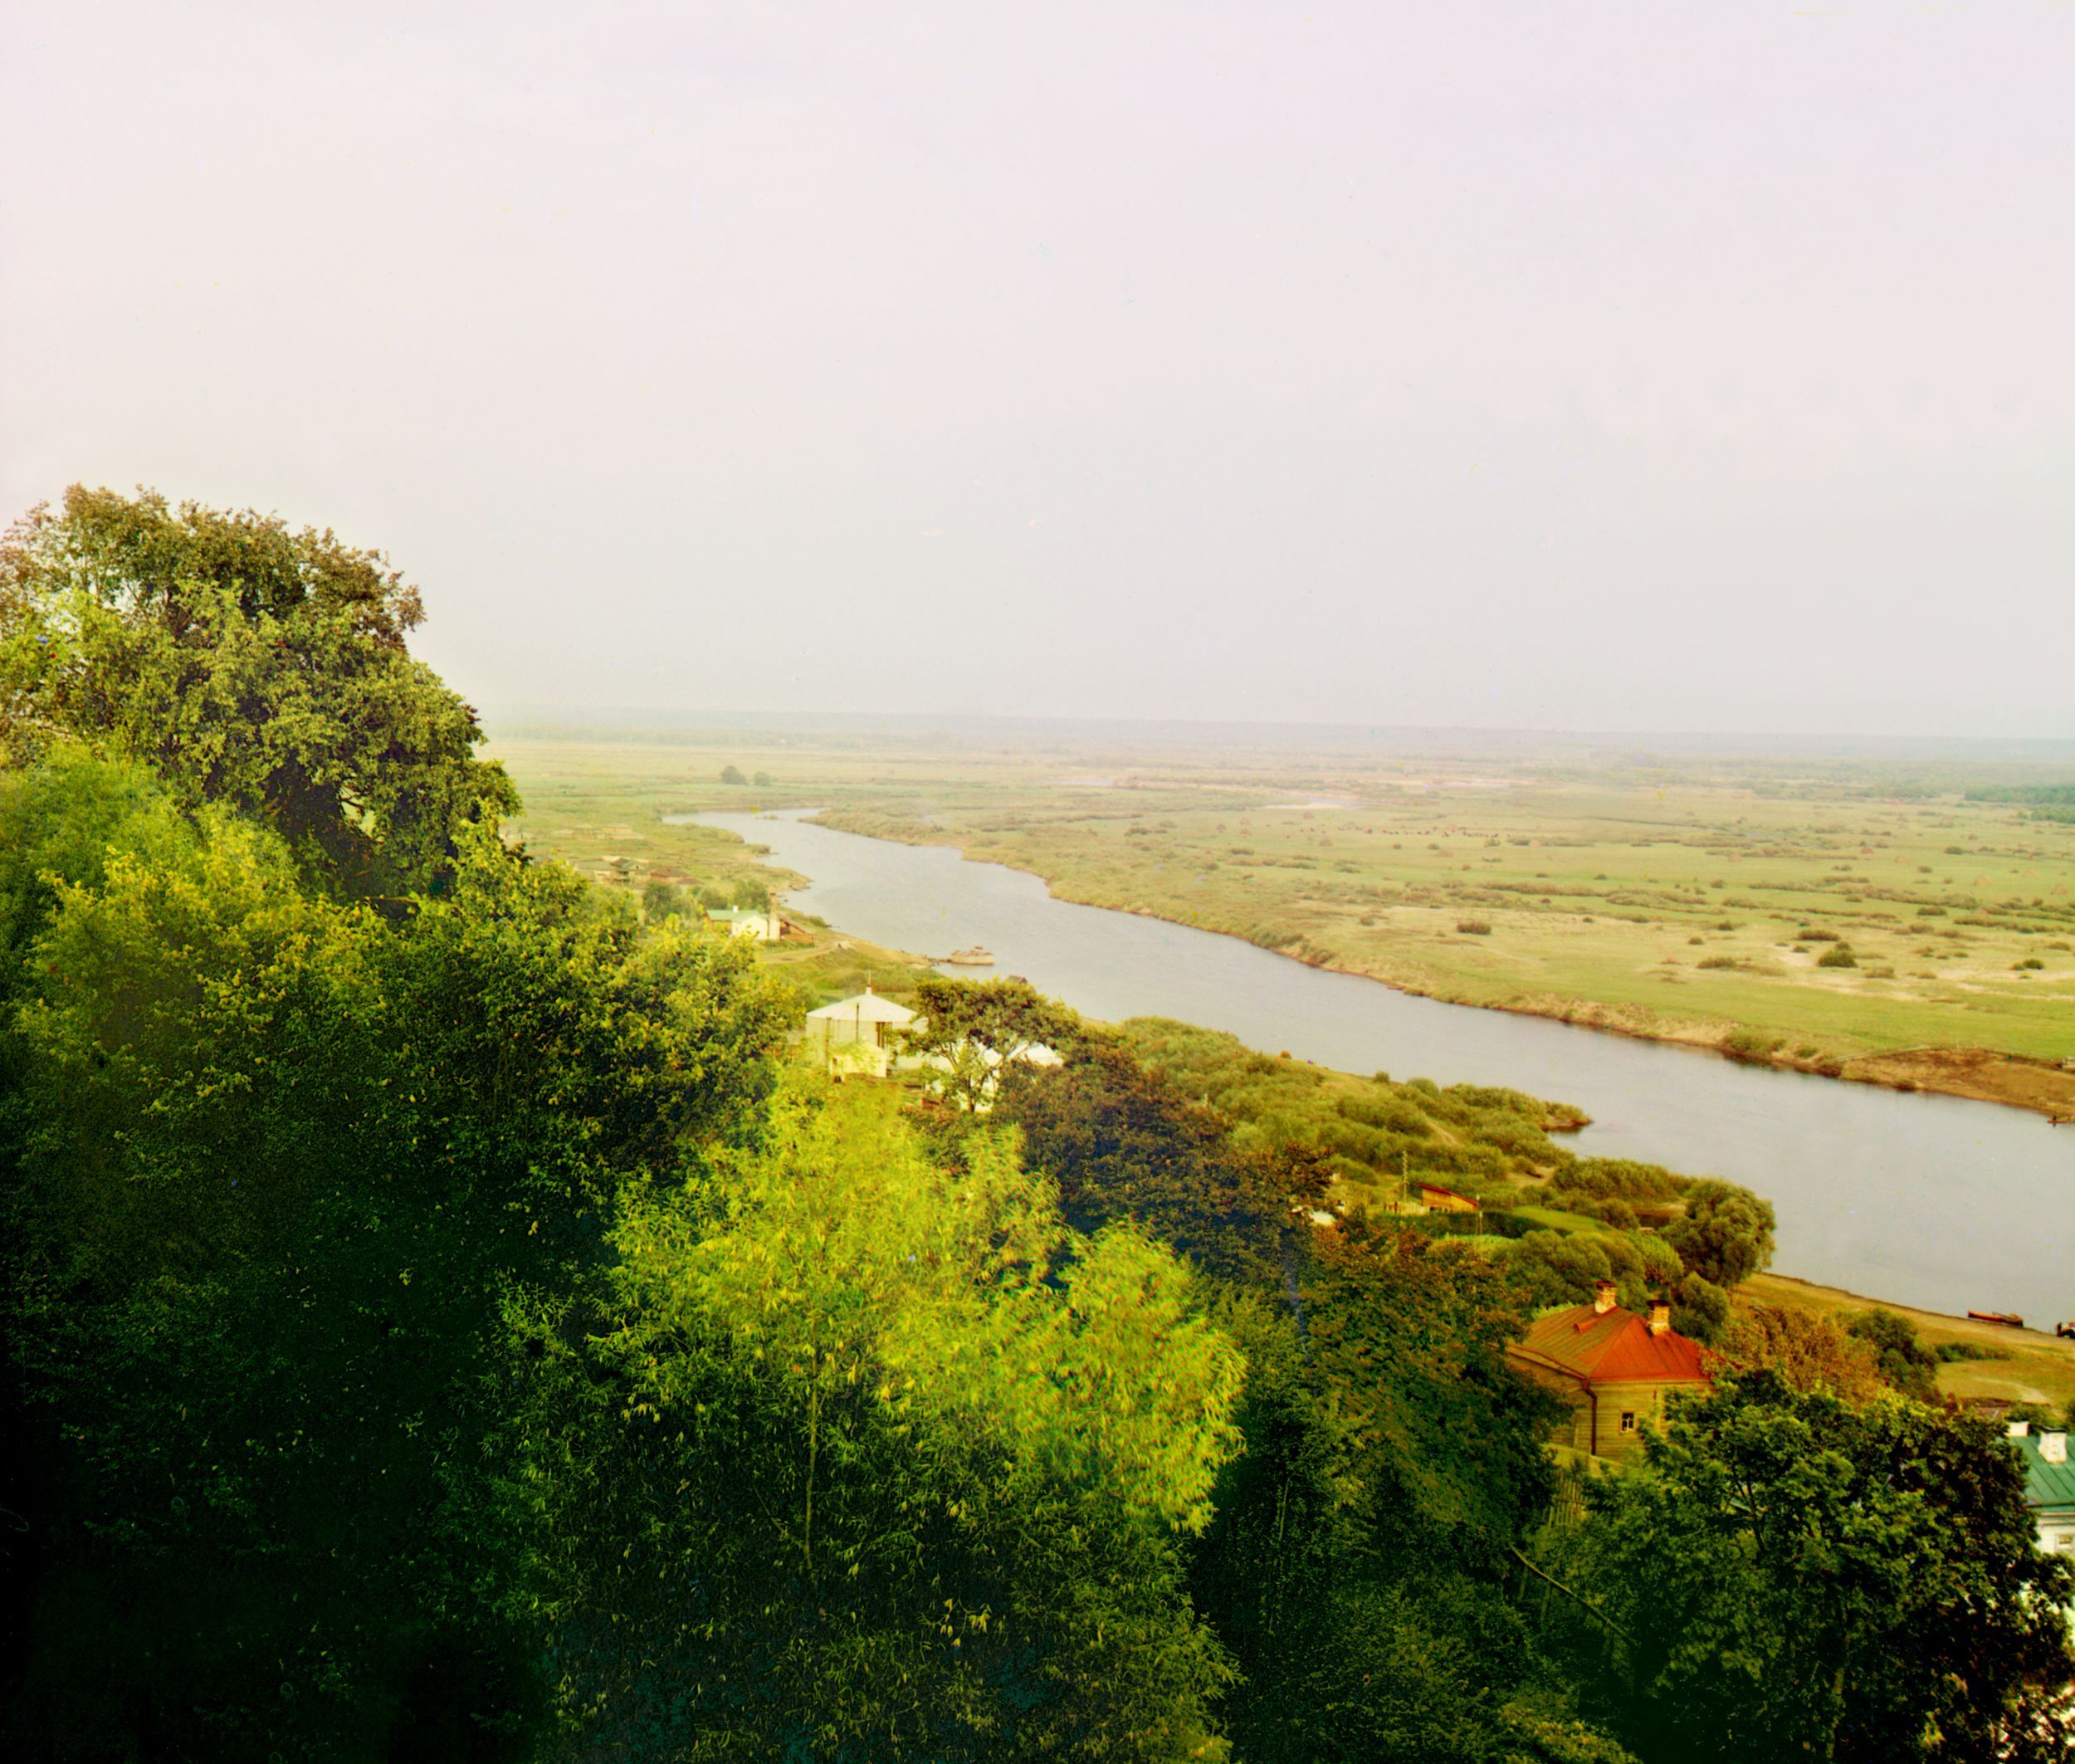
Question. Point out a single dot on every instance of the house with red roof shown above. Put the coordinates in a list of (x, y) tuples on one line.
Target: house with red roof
[(1614, 1369), (1436, 1198)]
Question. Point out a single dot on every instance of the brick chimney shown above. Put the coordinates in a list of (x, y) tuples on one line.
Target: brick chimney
[(1602, 1296), (2053, 1444), (1660, 1316)]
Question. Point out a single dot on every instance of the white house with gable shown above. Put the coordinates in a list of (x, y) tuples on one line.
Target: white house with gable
[(864, 1034)]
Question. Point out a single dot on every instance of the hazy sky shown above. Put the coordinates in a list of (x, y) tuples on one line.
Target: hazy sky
[(1666, 366)]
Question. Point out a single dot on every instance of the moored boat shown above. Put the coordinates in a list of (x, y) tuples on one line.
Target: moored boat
[(972, 957)]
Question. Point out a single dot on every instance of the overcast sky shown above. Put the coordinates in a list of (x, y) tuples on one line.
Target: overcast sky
[(1704, 367)]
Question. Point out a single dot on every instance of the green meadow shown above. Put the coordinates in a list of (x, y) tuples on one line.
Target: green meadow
[(1833, 914)]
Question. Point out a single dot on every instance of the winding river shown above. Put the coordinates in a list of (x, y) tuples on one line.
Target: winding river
[(1931, 1201)]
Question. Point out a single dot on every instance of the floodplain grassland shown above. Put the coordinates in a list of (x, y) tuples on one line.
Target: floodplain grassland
[(598, 807), (1868, 918), (1116, 834)]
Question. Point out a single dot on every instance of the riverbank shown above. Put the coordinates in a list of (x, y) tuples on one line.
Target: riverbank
[(1937, 1202), (2043, 1086), (1891, 922), (2029, 1366), (1866, 1183)]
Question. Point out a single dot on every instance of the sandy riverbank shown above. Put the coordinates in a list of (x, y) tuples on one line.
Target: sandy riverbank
[(2036, 1367)]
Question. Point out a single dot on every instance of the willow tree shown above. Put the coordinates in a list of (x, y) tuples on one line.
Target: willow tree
[(856, 1456)]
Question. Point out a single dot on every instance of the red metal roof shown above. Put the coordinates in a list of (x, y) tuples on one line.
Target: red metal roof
[(1435, 1188), (1613, 1347)]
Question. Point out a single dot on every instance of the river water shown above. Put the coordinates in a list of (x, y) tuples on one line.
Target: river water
[(1931, 1201)]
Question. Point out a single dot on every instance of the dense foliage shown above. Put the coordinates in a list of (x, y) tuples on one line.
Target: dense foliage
[(849, 1454), (441, 1323), (1794, 1575), (273, 1159), (245, 665)]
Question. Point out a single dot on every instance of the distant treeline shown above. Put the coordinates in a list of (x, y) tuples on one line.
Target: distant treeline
[(2047, 801)]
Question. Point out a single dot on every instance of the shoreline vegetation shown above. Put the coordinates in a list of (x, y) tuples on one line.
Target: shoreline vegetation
[(1903, 921), (598, 822), (2043, 1085), (598, 805)]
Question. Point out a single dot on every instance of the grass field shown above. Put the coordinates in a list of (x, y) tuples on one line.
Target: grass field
[(1691, 900), (1591, 890), (2029, 1366)]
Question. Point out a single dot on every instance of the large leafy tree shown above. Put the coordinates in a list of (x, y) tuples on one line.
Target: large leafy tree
[(1724, 1233), (271, 1162), (1122, 1142), (1808, 1352), (851, 1456), (1792, 1575), (1356, 1566), (244, 664), (1900, 1354)]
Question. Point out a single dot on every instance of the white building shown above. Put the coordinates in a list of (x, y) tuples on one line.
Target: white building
[(862, 1033), (766, 926)]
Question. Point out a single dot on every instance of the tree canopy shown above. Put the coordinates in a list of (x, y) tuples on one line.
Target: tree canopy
[(1794, 1575), (440, 1320), (849, 1453), (247, 665)]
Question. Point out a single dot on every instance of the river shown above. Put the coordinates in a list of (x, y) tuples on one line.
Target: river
[(1931, 1201)]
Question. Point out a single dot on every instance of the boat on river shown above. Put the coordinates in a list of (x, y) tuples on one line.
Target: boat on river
[(972, 957), (2008, 1319)]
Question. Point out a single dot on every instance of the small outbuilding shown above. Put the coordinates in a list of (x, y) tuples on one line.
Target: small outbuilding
[(1616, 1370), (1436, 1198), (764, 925)]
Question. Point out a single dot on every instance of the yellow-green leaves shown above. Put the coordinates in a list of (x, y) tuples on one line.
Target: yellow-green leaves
[(888, 1441), (839, 1258)]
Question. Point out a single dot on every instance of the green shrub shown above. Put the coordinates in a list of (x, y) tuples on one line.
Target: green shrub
[(1754, 1045), (1393, 1113), (1949, 1351), (1622, 1179), (1840, 957), (1474, 927)]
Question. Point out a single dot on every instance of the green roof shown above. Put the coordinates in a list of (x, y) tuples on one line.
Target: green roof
[(2046, 1485)]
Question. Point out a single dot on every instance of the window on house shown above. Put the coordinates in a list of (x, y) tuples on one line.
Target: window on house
[(1627, 1420)]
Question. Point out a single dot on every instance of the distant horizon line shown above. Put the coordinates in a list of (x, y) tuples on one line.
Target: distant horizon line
[(518, 719)]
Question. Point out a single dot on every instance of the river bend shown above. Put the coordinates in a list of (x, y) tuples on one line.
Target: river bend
[(1936, 1202)]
